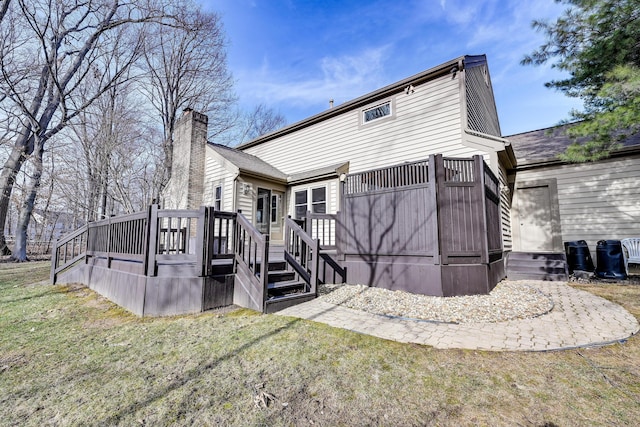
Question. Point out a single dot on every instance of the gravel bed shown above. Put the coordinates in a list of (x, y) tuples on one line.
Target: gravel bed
[(507, 301)]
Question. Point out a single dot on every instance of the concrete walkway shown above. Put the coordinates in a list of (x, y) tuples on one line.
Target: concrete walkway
[(578, 319)]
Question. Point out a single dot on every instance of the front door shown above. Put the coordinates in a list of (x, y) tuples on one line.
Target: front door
[(263, 217)]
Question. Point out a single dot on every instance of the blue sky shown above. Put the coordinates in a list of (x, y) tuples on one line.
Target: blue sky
[(294, 56)]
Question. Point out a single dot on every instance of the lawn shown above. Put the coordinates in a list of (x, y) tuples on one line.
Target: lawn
[(69, 357)]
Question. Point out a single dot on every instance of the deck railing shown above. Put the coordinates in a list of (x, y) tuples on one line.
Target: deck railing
[(148, 240), (323, 228)]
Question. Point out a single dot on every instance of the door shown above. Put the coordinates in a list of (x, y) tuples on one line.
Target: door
[(538, 218), (263, 208)]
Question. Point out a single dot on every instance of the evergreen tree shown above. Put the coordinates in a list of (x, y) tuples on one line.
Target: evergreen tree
[(598, 43)]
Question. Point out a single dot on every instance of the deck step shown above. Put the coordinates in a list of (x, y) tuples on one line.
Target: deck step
[(274, 266), (222, 268), (281, 276), (550, 266), (277, 289), (280, 303)]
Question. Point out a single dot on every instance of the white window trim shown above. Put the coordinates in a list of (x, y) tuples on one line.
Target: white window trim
[(391, 116), (326, 198), (215, 188), (295, 203), (278, 198), (309, 191)]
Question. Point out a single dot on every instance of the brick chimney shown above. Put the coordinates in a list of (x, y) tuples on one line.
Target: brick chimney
[(187, 174)]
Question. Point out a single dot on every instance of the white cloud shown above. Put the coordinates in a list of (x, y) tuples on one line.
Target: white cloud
[(340, 78)]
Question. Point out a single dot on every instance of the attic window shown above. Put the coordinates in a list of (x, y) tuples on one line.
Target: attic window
[(377, 112)]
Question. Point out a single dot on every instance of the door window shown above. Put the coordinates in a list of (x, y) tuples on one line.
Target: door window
[(262, 210)]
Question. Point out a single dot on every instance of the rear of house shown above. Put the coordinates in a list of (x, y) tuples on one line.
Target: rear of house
[(448, 109), (299, 171)]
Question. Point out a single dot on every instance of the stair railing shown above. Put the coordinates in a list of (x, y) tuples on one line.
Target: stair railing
[(67, 251), (302, 253), (252, 264)]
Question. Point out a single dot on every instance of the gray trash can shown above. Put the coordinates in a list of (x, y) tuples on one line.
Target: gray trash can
[(610, 260)]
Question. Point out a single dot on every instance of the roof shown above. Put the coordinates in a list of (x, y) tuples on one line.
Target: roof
[(252, 165), (430, 74), (545, 145), (248, 163), (324, 172)]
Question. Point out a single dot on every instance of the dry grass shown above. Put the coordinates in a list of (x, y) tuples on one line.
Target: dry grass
[(69, 357)]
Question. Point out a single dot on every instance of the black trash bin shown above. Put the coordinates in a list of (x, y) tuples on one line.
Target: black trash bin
[(610, 260), (578, 256)]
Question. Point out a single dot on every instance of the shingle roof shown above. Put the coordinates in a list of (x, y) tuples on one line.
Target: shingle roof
[(546, 144), (330, 170), (248, 163)]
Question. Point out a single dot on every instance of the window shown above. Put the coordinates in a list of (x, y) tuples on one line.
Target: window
[(274, 208), (301, 204), (377, 112), (319, 200), (217, 201)]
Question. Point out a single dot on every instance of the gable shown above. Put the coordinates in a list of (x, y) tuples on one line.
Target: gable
[(447, 110), (239, 161), (424, 121)]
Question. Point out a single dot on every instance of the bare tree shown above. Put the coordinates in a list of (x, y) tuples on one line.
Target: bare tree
[(49, 50), (248, 125), (110, 136), (186, 66), (4, 8), (260, 121)]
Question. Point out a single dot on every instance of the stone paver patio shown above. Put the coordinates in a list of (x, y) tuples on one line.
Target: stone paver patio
[(578, 319)]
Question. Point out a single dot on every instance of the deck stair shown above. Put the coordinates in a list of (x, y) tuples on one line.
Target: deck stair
[(549, 266), (285, 288)]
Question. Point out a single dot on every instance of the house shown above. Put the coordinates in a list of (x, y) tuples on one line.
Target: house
[(556, 202), (448, 110), (409, 187)]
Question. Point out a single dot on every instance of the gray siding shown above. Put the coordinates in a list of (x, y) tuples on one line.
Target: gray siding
[(596, 200), (482, 115), (505, 210), (424, 122)]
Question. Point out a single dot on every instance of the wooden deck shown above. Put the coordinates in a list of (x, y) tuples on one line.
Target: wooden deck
[(168, 262)]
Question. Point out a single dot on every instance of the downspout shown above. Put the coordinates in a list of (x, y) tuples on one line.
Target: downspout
[(234, 204)]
